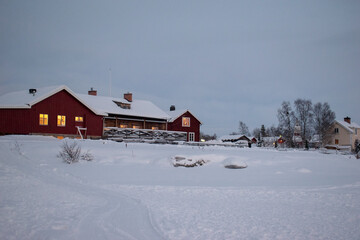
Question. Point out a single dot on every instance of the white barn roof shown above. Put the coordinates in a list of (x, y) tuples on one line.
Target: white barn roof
[(100, 105)]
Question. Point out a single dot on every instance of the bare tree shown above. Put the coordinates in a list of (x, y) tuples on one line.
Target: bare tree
[(304, 114), (324, 117), (256, 133), (243, 129), (286, 119)]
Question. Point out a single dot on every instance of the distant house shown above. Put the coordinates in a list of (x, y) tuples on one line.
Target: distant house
[(345, 133), (184, 121), (235, 138)]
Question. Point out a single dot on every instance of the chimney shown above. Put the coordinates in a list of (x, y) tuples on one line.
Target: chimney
[(32, 91), (348, 120), (92, 92), (172, 108), (128, 96)]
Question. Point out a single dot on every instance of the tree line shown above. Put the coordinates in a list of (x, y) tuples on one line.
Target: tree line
[(313, 120)]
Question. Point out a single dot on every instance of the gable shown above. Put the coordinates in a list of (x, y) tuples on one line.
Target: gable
[(175, 115), (26, 99)]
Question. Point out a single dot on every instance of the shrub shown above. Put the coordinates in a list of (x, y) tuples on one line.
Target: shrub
[(70, 153)]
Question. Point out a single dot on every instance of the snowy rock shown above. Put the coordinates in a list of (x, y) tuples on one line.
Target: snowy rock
[(234, 163)]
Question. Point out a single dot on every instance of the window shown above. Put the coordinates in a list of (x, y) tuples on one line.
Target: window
[(154, 128), (43, 119), (79, 119), (191, 137), (123, 125), (336, 130), (61, 120), (136, 127), (186, 122)]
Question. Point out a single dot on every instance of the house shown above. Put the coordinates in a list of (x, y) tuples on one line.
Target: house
[(54, 111), (345, 133), (60, 112), (184, 121), (235, 138)]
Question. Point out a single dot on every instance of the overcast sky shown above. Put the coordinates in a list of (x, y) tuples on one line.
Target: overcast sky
[(225, 61)]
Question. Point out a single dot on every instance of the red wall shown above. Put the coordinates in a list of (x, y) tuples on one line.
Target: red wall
[(26, 121), (194, 126)]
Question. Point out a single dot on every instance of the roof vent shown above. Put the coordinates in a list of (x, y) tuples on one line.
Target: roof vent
[(172, 108), (32, 91)]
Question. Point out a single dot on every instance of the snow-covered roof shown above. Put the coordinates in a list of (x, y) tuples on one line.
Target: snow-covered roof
[(24, 100), (100, 105), (348, 126), (139, 108), (177, 113), (232, 137)]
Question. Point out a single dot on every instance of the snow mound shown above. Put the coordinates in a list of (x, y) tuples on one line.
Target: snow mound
[(234, 163), (180, 161)]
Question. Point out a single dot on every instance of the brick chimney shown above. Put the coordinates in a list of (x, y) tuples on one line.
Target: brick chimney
[(348, 120), (92, 92), (128, 96)]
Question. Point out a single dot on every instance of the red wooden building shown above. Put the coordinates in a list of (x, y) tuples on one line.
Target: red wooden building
[(58, 111), (184, 121), (48, 111)]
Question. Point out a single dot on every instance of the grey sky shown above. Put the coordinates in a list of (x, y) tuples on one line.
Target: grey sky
[(225, 61)]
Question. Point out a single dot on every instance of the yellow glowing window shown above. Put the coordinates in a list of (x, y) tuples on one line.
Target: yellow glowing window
[(186, 122), (79, 119), (155, 128), (43, 119), (136, 127), (123, 125), (61, 120)]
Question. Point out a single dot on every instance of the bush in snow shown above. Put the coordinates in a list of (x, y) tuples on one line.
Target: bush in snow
[(17, 148), (71, 153), (357, 148), (87, 156)]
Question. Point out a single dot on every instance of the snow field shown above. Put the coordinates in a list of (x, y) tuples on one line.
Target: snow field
[(132, 191)]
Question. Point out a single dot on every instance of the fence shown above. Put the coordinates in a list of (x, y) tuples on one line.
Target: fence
[(121, 134)]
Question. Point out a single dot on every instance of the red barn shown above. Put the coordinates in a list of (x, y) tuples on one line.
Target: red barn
[(48, 111), (184, 121), (58, 111)]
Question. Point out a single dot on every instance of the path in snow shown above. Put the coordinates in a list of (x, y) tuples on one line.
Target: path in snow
[(38, 204)]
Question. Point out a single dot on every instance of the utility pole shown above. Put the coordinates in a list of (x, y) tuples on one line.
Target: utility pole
[(110, 82)]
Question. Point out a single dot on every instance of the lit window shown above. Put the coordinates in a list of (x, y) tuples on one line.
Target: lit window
[(186, 122), (79, 119), (61, 120), (154, 128), (136, 127), (123, 125), (43, 119)]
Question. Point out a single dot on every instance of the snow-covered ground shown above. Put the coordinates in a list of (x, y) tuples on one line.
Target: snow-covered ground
[(133, 191)]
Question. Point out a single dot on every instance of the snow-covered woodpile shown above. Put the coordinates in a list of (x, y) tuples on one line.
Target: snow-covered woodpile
[(121, 134)]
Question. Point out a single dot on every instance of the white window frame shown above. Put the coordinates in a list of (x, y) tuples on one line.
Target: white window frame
[(191, 137), (183, 121)]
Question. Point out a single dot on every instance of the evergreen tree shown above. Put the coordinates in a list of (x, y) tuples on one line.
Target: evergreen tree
[(263, 131)]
